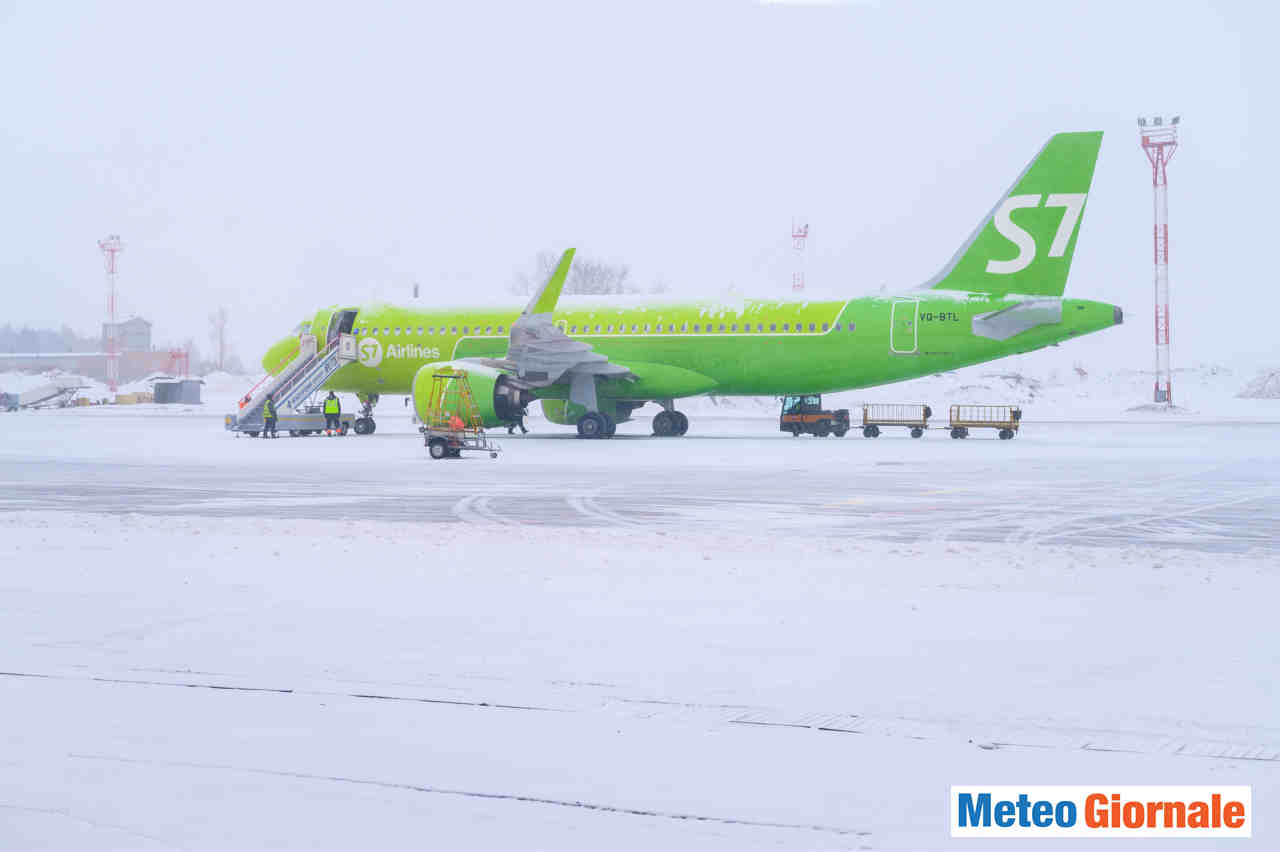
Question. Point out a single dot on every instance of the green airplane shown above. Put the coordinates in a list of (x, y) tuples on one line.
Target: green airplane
[(593, 364)]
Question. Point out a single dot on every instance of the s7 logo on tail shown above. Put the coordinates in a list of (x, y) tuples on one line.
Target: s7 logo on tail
[(1072, 204)]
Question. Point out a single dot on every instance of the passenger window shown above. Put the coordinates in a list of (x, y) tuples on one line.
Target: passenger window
[(733, 327), (597, 329), (811, 327), (573, 329), (646, 328), (786, 326), (684, 326), (488, 329), (453, 329), (851, 326), (466, 329), (500, 331), (386, 331), (826, 326), (773, 326)]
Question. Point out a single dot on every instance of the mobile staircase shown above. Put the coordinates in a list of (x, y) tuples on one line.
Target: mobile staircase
[(58, 393), (293, 386)]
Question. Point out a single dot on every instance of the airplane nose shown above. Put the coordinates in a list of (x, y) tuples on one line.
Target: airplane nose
[(1118, 316)]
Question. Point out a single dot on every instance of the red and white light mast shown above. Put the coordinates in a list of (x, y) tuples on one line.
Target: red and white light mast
[(1159, 141), (111, 247), (799, 233)]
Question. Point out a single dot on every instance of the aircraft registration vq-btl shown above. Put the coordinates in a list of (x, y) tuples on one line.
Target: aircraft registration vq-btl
[(593, 365)]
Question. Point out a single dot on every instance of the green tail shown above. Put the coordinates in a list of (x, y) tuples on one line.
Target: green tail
[(1025, 243)]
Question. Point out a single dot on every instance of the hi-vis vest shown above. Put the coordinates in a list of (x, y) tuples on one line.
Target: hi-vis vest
[(331, 405), (269, 409)]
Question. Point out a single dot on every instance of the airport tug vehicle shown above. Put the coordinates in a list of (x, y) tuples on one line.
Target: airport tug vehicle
[(451, 422), (805, 415), (1005, 418), (913, 417)]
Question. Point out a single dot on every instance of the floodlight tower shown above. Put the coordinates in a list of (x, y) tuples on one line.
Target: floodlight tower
[(1159, 140), (110, 248), (799, 233)]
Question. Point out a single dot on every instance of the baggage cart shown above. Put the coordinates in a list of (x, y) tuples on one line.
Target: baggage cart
[(1004, 418), (909, 415)]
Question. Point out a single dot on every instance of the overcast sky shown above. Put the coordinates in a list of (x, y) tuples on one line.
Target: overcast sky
[(277, 157)]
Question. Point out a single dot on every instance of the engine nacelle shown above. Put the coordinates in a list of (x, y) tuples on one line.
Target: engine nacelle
[(497, 395)]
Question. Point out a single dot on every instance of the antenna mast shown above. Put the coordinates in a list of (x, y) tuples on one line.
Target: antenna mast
[(1159, 138), (110, 248), (799, 233)]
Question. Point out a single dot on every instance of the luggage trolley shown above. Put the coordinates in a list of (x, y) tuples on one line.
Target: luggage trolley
[(1006, 418), (451, 422), (913, 417)]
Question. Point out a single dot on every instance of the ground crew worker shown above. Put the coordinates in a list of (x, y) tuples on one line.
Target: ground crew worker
[(332, 408), (269, 417), (455, 423)]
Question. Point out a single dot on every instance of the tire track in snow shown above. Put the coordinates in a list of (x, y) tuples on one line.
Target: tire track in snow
[(481, 794)]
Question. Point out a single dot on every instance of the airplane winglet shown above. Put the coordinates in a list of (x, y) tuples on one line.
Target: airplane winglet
[(544, 301)]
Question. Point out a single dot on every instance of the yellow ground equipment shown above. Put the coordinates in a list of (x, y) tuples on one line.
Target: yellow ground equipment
[(801, 414), (1003, 417), (913, 417), (451, 420)]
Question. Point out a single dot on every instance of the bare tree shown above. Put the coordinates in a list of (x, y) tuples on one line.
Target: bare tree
[(218, 336), (587, 276)]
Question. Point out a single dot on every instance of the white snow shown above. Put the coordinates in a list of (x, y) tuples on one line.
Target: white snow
[(736, 640)]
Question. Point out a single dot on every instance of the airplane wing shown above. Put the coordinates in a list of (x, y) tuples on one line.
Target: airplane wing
[(539, 353)]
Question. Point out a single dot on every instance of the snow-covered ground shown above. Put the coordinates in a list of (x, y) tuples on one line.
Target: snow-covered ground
[(735, 640)]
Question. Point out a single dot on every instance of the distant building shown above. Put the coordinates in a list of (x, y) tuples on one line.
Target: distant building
[(132, 335)]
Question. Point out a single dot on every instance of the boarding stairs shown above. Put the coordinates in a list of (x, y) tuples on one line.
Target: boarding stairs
[(294, 385)]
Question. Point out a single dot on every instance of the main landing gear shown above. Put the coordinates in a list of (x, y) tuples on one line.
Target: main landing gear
[(670, 423), (596, 424), (364, 424)]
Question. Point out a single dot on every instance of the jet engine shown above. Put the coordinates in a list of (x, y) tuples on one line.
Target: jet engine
[(499, 397)]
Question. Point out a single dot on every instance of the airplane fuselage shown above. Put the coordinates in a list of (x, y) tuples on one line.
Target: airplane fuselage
[(748, 348)]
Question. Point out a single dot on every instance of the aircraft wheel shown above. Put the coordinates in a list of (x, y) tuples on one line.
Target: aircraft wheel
[(591, 425), (682, 422), (664, 424), (437, 448), (916, 431)]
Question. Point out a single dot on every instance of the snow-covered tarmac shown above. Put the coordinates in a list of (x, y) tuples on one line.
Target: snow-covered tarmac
[(735, 640)]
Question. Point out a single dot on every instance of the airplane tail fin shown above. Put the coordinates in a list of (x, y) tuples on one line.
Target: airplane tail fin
[(1025, 244)]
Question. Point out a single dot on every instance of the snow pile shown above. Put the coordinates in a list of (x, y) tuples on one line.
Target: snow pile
[(18, 382), (1266, 385)]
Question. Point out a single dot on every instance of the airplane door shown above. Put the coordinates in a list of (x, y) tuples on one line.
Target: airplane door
[(904, 327)]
